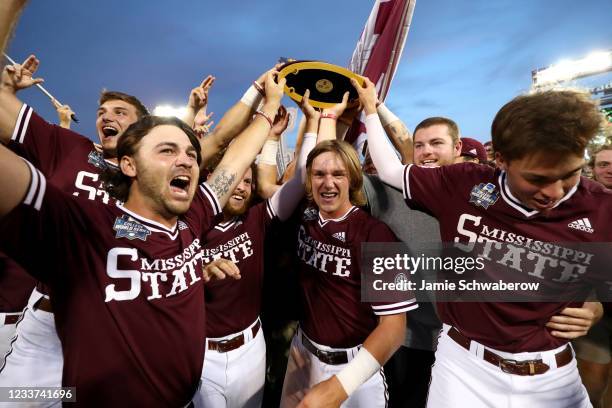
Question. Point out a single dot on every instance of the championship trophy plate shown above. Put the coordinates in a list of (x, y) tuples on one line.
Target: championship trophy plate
[(327, 83)]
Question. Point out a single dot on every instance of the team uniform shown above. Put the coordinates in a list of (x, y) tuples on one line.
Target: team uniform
[(408, 370), (334, 322), (127, 292), (235, 361), (479, 341), (72, 163), (15, 288)]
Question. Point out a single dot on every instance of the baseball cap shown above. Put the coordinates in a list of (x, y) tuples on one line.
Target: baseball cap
[(473, 148)]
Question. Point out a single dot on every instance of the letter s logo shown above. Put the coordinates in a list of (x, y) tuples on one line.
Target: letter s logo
[(113, 272)]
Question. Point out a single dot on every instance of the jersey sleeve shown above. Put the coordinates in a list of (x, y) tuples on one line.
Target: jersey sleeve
[(380, 232), (432, 188), (44, 229), (42, 143), (205, 210)]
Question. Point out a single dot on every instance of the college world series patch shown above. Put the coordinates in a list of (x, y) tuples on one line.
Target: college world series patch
[(126, 227), (97, 160), (484, 195)]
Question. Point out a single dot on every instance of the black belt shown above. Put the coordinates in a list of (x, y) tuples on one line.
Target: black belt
[(223, 346), (527, 367), (327, 357)]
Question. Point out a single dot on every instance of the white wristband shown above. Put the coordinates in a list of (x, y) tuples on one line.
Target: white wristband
[(385, 115), (268, 153), (252, 97), (358, 371)]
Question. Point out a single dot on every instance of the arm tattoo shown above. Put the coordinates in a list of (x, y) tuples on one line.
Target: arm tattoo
[(221, 183)]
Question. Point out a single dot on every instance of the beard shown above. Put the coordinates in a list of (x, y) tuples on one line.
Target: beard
[(231, 211), (152, 188)]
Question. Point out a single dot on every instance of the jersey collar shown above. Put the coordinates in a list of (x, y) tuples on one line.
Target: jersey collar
[(323, 221), (514, 202), (150, 224)]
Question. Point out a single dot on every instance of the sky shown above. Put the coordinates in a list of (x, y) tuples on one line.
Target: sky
[(462, 59)]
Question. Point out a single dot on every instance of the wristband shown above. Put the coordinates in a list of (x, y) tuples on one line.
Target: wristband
[(268, 152), (261, 91), (265, 116), (385, 115), (358, 371), (251, 97), (329, 116)]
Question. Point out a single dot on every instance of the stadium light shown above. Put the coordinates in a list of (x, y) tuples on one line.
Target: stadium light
[(168, 110), (594, 63)]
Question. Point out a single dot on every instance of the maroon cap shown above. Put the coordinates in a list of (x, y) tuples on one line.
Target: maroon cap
[(473, 148)]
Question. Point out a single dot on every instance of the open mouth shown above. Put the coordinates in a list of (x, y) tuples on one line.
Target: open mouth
[(429, 163), (180, 184), (109, 131), (329, 195), (238, 197)]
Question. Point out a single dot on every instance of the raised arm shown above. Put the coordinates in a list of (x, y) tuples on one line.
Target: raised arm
[(14, 180), (267, 172), (389, 166), (9, 15), (397, 132), (329, 119), (14, 78), (234, 121), (287, 197), (241, 153), (198, 100), (64, 114)]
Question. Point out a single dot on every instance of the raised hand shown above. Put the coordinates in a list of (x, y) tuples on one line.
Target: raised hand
[(367, 95), (64, 113), (281, 121), (273, 89), (198, 97), (338, 109), (307, 109), (20, 76), (262, 78), (203, 124)]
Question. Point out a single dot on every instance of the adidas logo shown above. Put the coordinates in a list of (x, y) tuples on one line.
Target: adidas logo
[(582, 225), (339, 236), (182, 225)]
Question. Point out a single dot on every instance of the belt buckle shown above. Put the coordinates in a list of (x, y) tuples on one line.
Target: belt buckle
[(222, 344), (505, 365)]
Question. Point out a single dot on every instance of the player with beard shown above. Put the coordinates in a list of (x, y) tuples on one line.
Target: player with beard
[(73, 163), (538, 194), (235, 360), (129, 298)]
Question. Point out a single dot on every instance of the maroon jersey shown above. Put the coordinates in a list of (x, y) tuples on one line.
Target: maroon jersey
[(474, 205), (329, 252), (232, 305), (127, 293), (68, 160), (16, 285)]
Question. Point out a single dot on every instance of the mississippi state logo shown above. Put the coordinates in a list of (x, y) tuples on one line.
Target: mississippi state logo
[(484, 195), (310, 214), (127, 227), (96, 160)]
